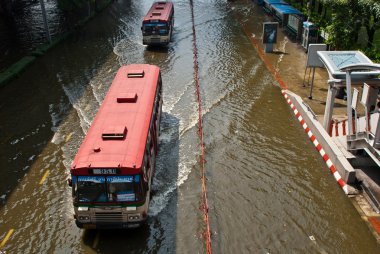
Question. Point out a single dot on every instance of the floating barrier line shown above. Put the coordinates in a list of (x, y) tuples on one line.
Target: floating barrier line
[(204, 206), (317, 145)]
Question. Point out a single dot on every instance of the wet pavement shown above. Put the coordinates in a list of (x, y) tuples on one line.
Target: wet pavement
[(269, 191)]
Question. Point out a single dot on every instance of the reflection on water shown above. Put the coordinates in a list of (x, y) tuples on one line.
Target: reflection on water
[(24, 30), (269, 191)]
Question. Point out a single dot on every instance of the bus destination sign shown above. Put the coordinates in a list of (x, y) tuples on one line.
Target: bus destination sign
[(105, 171)]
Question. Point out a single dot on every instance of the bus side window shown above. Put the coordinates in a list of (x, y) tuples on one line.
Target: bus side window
[(147, 151), (147, 156), (148, 165), (151, 148), (74, 185)]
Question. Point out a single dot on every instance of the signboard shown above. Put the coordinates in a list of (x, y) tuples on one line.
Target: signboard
[(126, 197), (369, 96), (365, 94), (95, 179), (104, 171), (334, 61), (270, 32), (313, 59), (120, 179), (354, 98)]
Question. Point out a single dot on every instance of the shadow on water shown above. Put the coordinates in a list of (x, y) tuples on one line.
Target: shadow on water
[(117, 241), (159, 232), (278, 52), (157, 49), (34, 106)]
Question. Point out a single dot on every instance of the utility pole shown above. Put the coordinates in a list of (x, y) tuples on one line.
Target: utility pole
[(308, 9), (45, 20)]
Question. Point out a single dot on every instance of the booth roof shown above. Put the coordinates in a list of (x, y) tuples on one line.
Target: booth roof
[(275, 2), (285, 9)]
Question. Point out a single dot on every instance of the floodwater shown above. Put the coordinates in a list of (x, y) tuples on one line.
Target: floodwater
[(269, 190), (26, 31)]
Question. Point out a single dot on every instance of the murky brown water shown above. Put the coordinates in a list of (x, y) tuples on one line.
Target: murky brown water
[(269, 190)]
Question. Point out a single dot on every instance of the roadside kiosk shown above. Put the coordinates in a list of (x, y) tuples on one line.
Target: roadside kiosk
[(267, 5), (309, 35), (290, 18)]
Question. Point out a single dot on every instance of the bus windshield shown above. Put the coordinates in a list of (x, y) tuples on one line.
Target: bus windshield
[(90, 189), (155, 28), (122, 188)]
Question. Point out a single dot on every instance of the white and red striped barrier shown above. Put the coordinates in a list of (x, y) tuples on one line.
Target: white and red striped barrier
[(317, 145)]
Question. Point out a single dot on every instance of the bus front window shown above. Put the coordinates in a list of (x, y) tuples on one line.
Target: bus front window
[(155, 28), (124, 188), (91, 189)]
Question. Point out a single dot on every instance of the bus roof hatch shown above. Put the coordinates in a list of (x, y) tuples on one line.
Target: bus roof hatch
[(114, 132), (127, 97), (136, 74)]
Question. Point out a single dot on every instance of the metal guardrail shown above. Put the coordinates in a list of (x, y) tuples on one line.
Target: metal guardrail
[(310, 110), (371, 197)]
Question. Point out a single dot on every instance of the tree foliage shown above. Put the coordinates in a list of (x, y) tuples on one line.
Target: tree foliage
[(371, 18), (343, 19), (345, 24)]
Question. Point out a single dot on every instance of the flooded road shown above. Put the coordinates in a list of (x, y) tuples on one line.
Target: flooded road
[(269, 191)]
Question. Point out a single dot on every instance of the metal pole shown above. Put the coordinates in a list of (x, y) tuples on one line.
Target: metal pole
[(304, 75), (45, 20), (366, 122), (349, 98), (312, 84)]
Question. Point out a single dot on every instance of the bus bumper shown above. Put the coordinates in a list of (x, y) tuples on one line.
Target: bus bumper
[(122, 225), (156, 42)]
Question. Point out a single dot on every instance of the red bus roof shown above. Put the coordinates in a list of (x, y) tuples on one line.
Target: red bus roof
[(159, 11), (118, 134)]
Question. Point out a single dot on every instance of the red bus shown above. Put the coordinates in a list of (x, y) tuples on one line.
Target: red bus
[(112, 172), (158, 24)]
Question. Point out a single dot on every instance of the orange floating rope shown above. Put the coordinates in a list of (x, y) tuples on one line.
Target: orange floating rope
[(204, 206)]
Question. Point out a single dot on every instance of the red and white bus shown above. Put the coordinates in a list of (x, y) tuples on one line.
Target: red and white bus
[(157, 27), (112, 172)]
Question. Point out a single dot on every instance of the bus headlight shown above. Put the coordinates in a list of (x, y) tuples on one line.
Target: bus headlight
[(134, 217), (83, 218)]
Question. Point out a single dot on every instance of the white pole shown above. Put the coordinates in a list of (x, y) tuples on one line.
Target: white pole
[(349, 98)]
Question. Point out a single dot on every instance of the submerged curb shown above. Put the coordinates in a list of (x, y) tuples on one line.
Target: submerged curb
[(317, 145)]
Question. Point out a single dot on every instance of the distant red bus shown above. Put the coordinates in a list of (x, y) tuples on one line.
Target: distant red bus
[(111, 174), (157, 27)]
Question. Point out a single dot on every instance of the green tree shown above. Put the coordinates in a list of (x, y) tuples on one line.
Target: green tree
[(345, 24), (371, 18)]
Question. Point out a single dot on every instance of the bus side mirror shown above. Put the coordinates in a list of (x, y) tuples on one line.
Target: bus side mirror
[(70, 182)]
